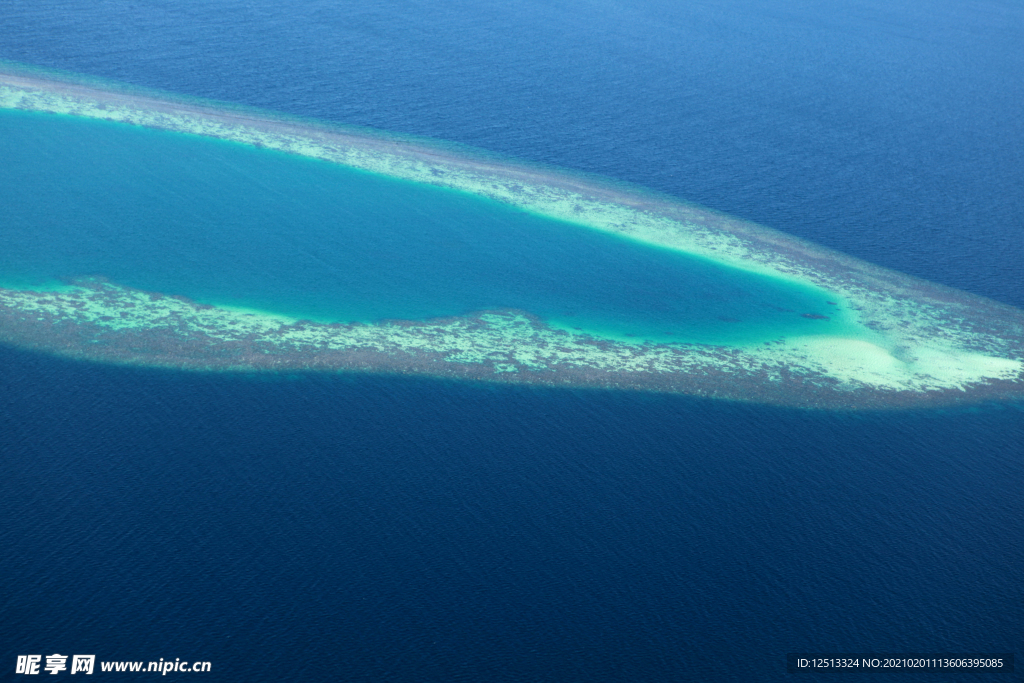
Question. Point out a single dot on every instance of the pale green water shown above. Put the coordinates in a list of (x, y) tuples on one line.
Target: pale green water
[(227, 224)]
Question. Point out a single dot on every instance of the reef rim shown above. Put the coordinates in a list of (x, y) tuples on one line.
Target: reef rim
[(922, 343)]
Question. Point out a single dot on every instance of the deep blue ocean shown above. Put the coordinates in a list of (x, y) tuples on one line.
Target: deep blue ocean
[(313, 528)]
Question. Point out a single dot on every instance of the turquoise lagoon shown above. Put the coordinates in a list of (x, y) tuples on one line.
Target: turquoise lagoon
[(228, 224)]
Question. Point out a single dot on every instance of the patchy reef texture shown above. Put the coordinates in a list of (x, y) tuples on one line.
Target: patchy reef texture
[(918, 344)]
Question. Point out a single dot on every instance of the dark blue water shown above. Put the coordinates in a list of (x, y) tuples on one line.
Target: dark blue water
[(222, 223), (392, 529)]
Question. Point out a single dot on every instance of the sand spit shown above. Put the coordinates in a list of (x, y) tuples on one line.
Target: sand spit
[(920, 344)]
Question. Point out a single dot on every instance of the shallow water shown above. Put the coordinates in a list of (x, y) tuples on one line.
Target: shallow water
[(227, 224)]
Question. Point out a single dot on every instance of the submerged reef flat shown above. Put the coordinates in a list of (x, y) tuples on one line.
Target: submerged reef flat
[(913, 342)]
